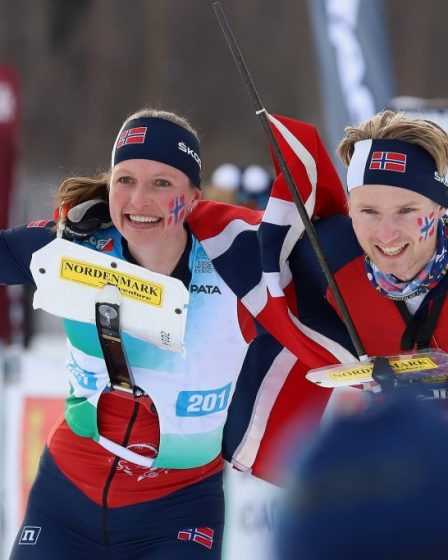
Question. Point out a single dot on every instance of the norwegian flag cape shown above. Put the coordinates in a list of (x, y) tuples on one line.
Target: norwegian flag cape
[(250, 250)]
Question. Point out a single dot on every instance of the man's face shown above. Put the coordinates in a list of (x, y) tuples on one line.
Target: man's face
[(397, 228)]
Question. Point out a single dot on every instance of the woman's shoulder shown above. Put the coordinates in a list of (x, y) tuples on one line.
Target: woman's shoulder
[(106, 240)]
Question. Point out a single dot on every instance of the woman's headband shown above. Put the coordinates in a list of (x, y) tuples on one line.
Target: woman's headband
[(157, 139)]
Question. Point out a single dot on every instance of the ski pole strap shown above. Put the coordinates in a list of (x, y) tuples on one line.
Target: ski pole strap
[(107, 319), (383, 374), (419, 330)]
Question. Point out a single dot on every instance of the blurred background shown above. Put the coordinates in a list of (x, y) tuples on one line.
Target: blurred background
[(72, 70), (77, 68), (83, 65)]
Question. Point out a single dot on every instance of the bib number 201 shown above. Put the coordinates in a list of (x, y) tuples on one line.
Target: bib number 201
[(199, 403)]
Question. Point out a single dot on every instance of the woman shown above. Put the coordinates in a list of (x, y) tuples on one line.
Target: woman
[(105, 505), (389, 256), (135, 468)]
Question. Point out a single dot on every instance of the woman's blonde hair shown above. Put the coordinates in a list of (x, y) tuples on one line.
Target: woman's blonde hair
[(165, 115), (75, 190), (396, 125)]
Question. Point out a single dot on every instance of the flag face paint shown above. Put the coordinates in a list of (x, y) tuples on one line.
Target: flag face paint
[(427, 226), (177, 210)]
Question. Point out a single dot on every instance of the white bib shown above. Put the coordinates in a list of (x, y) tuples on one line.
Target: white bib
[(153, 306)]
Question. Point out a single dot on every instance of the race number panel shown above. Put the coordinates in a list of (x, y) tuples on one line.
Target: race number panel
[(428, 366), (71, 278)]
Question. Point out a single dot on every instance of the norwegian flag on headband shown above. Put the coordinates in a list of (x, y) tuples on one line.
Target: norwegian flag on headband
[(250, 250), (132, 136), (388, 161)]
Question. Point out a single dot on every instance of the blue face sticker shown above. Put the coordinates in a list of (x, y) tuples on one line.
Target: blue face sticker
[(201, 403)]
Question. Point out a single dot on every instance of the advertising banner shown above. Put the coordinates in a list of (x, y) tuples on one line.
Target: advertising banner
[(355, 70)]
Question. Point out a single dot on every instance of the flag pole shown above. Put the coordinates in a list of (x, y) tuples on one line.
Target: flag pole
[(262, 114)]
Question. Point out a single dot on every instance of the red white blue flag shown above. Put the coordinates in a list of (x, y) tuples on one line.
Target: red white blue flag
[(177, 210), (38, 224), (201, 535), (132, 136), (388, 161), (250, 250)]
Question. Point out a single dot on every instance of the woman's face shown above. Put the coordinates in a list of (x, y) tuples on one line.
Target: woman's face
[(397, 228), (149, 201)]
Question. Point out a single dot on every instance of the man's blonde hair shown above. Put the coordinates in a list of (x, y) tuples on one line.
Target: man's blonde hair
[(396, 125)]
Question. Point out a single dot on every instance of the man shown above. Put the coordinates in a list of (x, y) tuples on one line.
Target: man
[(389, 255)]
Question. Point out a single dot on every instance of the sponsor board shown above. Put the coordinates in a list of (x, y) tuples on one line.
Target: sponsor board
[(96, 276)]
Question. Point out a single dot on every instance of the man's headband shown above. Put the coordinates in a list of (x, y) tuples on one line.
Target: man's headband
[(159, 140), (397, 163)]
